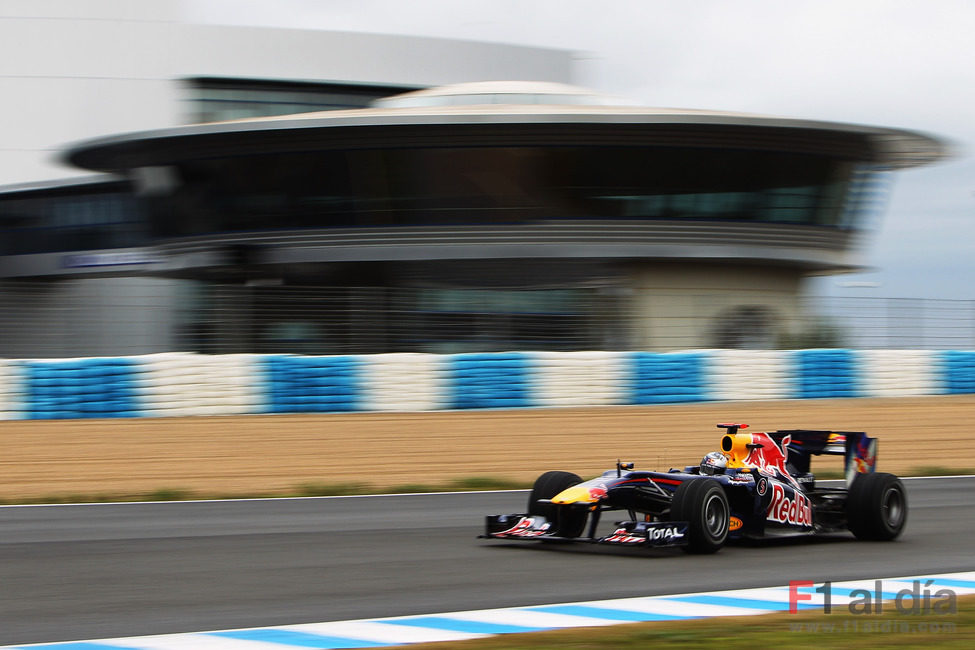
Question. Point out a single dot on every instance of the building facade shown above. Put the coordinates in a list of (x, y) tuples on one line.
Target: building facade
[(362, 201), (75, 246)]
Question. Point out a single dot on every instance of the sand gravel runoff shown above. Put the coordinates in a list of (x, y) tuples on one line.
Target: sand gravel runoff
[(264, 454)]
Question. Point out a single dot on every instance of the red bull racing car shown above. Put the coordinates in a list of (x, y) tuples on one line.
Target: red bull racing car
[(758, 486)]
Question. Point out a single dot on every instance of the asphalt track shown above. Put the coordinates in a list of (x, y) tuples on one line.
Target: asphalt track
[(92, 571)]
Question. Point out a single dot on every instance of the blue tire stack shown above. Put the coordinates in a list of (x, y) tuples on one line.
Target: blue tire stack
[(824, 373), (312, 384), (958, 371), (81, 388), (668, 378), (489, 380)]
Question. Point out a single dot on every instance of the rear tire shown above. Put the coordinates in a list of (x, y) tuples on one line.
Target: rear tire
[(876, 507), (703, 504), (566, 521)]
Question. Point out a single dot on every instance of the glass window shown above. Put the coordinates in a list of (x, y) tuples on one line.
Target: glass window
[(218, 99), (505, 185), (68, 219)]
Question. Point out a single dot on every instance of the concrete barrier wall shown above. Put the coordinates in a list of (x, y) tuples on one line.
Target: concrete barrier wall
[(178, 383)]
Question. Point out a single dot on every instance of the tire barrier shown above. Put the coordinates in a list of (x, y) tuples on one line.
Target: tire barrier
[(79, 388), (11, 390), (750, 374), (898, 373), (825, 373), (180, 383), (958, 371), (578, 378), (488, 380), (667, 377), (296, 384), (407, 381)]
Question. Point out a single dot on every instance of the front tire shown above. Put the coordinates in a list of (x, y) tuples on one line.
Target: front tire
[(703, 504), (876, 507), (566, 520)]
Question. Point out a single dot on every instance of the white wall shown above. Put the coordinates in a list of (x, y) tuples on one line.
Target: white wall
[(677, 305), (71, 70), (89, 317)]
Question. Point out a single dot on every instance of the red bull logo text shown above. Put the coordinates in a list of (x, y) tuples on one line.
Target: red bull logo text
[(789, 511)]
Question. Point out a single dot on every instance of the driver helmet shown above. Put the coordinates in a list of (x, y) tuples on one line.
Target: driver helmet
[(714, 463)]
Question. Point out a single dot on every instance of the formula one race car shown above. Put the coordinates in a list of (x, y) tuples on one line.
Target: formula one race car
[(758, 486)]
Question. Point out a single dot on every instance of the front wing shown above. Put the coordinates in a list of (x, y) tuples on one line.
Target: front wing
[(627, 533)]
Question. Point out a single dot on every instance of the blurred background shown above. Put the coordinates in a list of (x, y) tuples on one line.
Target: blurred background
[(483, 177)]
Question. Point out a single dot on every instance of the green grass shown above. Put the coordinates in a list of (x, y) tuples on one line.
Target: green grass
[(806, 630), (469, 484), (938, 470), (331, 489), (169, 494)]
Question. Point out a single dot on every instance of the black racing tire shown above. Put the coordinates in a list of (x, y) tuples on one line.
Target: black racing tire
[(704, 505), (876, 507), (566, 521)]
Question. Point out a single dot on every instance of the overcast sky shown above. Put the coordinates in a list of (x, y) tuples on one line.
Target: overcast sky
[(896, 63)]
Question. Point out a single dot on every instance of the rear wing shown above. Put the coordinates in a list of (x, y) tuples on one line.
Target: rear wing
[(859, 449)]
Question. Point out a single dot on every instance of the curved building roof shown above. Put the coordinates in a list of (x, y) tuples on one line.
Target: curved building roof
[(500, 92), (488, 113)]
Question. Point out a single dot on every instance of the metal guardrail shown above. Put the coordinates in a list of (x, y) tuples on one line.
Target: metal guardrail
[(894, 323)]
